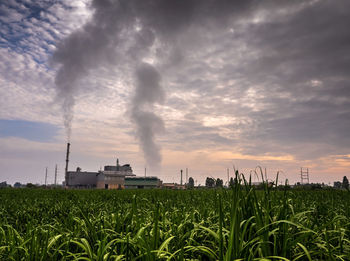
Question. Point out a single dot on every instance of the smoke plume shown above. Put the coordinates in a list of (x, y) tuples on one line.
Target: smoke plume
[(148, 92), (127, 33)]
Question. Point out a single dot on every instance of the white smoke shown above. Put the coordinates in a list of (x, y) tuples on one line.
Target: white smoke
[(148, 92)]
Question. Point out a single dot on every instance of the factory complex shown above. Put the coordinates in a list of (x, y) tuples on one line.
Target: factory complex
[(112, 177)]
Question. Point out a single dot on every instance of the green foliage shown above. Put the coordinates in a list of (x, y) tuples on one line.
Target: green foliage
[(231, 183), (240, 223), (210, 182), (345, 182), (219, 183), (30, 185)]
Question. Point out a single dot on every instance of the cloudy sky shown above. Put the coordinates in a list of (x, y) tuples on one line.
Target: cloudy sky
[(169, 85)]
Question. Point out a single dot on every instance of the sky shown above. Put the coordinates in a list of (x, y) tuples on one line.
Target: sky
[(169, 85)]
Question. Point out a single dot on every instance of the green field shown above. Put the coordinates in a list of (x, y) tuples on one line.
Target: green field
[(238, 223)]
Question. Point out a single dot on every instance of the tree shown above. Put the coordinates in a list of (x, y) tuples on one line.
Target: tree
[(190, 183), (232, 182), (219, 183), (17, 185), (337, 184), (210, 182), (345, 182)]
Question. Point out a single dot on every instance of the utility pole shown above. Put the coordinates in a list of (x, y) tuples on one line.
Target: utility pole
[(145, 172), (304, 176), (228, 177), (181, 178), (46, 177), (55, 175)]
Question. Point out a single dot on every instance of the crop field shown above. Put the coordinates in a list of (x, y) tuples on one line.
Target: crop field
[(240, 223)]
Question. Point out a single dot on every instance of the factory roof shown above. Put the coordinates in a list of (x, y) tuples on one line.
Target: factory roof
[(141, 178)]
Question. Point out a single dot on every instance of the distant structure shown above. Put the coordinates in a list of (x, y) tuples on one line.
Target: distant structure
[(173, 186), (181, 178), (304, 176), (142, 182), (111, 177), (337, 184), (67, 161), (18, 185), (46, 177), (55, 175), (3, 184)]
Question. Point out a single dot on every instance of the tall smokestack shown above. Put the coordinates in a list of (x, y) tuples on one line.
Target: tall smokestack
[(67, 160), (118, 164), (181, 178)]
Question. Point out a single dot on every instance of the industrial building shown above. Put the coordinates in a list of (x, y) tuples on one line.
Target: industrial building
[(111, 177), (142, 182), (81, 179), (173, 186)]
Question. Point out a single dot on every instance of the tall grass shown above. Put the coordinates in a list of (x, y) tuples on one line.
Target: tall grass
[(240, 223)]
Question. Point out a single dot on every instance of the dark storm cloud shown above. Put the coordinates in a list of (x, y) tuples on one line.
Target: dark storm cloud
[(305, 55), (310, 44), (290, 77), (200, 138), (281, 65), (121, 33)]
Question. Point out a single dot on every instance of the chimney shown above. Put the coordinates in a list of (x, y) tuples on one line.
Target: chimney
[(67, 160), (181, 178), (118, 164)]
